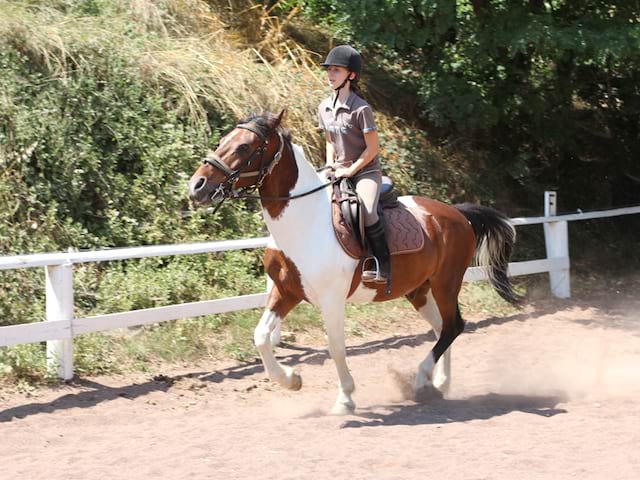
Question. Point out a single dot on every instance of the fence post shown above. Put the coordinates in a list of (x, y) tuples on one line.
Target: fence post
[(59, 304), (556, 238)]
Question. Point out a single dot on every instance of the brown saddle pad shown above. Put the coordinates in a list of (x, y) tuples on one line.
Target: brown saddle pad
[(404, 233)]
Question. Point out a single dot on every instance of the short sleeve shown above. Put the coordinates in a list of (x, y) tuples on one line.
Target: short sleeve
[(365, 119), (320, 121)]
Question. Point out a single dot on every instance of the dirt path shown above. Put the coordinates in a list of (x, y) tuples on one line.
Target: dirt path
[(549, 393)]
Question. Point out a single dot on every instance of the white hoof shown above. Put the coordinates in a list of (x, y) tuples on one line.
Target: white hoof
[(442, 386), (341, 409), (293, 380), (427, 393)]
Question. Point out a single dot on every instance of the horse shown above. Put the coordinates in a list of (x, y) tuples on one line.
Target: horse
[(306, 262)]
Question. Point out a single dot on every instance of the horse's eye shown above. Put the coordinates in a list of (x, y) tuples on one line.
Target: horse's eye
[(242, 149)]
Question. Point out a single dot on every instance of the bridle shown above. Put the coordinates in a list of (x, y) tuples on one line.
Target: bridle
[(233, 176), (226, 188)]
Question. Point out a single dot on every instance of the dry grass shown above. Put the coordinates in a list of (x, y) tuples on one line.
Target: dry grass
[(235, 56)]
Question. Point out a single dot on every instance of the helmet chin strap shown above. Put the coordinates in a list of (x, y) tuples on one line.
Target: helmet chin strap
[(337, 90)]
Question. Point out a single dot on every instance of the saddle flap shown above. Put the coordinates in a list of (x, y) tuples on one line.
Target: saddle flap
[(404, 231), (350, 208)]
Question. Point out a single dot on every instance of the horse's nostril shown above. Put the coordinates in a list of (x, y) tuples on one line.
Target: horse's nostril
[(199, 184), (196, 185)]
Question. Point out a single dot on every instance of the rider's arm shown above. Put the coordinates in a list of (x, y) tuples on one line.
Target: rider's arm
[(331, 154), (369, 153)]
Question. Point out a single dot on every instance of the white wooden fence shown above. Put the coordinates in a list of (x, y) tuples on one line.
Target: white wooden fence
[(61, 326)]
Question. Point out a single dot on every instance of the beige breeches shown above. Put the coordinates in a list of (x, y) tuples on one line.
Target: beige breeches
[(368, 188)]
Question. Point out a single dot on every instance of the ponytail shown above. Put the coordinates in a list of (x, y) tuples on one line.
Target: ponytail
[(355, 88)]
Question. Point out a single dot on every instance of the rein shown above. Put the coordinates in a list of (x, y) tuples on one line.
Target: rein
[(288, 197)]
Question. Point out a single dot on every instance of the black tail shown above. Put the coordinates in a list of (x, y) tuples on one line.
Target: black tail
[(495, 237)]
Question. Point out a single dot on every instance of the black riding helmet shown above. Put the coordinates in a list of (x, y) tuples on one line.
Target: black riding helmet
[(347, 57), (344, 56)]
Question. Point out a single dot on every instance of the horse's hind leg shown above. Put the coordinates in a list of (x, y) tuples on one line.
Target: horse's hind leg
[(278, 305), (439, 307)]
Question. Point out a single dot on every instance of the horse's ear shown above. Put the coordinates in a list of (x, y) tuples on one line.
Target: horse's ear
[(277, 120)]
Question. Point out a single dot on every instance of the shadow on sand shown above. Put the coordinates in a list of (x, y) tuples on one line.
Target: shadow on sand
[(96, 393), (440, 411)]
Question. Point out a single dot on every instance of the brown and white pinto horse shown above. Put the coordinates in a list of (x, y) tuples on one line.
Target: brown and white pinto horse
[(306, 262)]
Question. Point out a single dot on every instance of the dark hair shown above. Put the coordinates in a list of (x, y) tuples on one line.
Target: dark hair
[(355, 87)]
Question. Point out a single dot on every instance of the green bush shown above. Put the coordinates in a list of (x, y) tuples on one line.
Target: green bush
[(95, 152)]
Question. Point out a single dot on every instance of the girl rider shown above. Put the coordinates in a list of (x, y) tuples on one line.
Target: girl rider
[(352, 147)]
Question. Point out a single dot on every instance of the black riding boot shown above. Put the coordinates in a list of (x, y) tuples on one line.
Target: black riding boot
[(378, 242)]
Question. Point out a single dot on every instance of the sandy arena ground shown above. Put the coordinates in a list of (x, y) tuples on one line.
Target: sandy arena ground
[(550, 393)]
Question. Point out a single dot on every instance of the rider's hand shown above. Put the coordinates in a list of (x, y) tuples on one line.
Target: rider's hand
[(343, 172), (328, 173)]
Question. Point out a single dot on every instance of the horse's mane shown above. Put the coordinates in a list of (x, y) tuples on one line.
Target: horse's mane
[(261, 122)]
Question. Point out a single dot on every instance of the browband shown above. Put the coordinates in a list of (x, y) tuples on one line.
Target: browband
[(217, 162), (252, 128)]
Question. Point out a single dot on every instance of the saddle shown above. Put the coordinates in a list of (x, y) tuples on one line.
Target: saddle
[(404, 233)]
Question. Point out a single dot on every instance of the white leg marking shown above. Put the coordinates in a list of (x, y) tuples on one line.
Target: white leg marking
[(333, 316), (438, 375), (276, 333), (285, 376), (425, 373)]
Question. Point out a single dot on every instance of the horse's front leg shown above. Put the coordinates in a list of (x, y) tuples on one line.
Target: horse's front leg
[(333, 314), (278, 305)]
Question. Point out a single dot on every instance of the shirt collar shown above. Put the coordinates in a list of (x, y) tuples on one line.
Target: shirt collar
[(346, 105)]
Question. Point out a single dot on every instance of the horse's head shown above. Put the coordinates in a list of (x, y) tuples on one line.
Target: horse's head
[(244, 157)]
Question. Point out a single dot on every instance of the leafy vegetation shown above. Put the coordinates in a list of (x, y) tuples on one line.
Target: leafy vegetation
[(107, 106), (549, 89)]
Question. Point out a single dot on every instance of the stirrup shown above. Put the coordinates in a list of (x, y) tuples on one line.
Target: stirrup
[(372, 275)]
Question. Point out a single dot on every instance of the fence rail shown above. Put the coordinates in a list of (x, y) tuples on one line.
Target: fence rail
[(71, 257), (61, 326)]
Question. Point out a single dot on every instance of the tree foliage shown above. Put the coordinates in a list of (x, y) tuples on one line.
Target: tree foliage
[(549, 88)]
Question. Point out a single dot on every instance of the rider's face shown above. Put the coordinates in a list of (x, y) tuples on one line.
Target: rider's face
[(336, 75)]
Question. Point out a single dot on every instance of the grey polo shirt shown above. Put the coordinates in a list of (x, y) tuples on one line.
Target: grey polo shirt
[(346, 126)]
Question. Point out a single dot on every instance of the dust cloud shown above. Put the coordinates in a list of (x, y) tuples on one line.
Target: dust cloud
[(590, 365), (580, 353)]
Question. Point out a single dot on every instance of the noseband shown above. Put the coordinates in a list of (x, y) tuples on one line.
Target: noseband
[(233, 176)]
